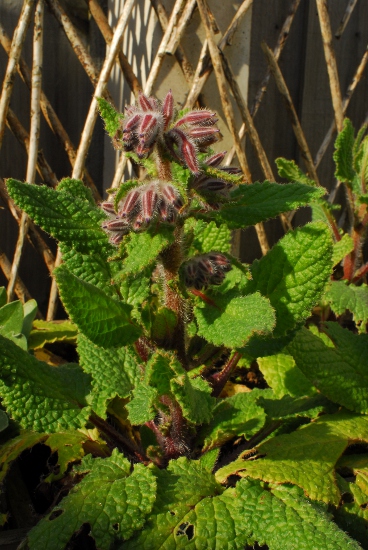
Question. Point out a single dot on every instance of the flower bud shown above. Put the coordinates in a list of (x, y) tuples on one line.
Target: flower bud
[(130, 203), (149, 199), (168, 109)]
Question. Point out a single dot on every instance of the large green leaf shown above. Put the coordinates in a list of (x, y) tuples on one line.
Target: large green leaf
[(113, 500), (69, 219), (307, 456), (41, 397), (143, 248), (257, 202), (102, 319), (207, 237), (290, 170), (11, 323), (114, 371), (49, 332), (342, 297), (235, 416), (339, 373), (294, 273), (230, 319), (194, 512), (342, 248), (284, 377)]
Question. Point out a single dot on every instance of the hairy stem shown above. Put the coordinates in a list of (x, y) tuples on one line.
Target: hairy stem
[(219, 379)]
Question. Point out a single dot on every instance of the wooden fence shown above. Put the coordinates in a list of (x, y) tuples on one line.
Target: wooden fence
[(281, 74)]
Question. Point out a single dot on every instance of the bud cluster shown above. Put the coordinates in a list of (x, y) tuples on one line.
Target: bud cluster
[(157, 199), (207, 269), (151, 122)]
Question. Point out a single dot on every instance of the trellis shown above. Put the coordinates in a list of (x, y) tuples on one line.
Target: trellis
[(212, 58)]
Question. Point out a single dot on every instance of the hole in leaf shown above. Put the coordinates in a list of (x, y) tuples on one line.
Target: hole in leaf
[(186, 529), (55, 514), (172, 513), (116, 527), (364, 506), (81, 540)]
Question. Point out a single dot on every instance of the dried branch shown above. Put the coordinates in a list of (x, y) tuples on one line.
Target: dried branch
[(156, 65), (43, 167), (180, 55), (298, 131), (16, 48), (53, 297), (204, 66), (324, 21), (345, 20), (107, 32), (19, 287), (180, 27), (345, 103), (34, 137)]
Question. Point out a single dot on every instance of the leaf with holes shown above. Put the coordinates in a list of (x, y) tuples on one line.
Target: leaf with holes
[(125, 499)]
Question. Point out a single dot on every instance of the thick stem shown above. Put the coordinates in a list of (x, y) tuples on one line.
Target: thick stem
[(219, 380)]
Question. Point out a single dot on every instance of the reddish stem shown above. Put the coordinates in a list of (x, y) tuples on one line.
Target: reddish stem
[(219, 379)]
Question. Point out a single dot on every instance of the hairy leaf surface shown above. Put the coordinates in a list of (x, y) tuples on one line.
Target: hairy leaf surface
[(284, 377), (143, 249), (342, 297)]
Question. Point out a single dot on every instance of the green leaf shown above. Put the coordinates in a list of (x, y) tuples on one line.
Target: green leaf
[(343, 155), (141, 407), (3, 296), (4, 421), (91, 268), (307, 456), (69, 219), (13, 448), (342, 297), (258, 202), (231, 319), (114, 371), (290, 170), (102, 319), (284, 377), (207, 237), (41, 397), (235, 416), (49, 332), (294, 273), (69, 448), (135, 289), (164, 324), (194, 397), (143, 249), (29, 311), (352, 514), (341, 374), (111, 118), (190, 512), (111, 499), (342, 248), (77, 189), (11, 323), (289, 407)]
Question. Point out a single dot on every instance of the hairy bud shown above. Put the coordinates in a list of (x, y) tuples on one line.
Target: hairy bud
[(204, 270)]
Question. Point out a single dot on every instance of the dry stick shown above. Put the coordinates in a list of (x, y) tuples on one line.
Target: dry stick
[(281, 41), (179, 28), (16, 48), (19, 287), (345, 103), (251, 129), (48, 112), (325, 25), (156, 65), (34, 137), (107, 32), (299, 134), (228, 110), (180, 55), (345, 20), (90, 124), (204, 66), (22, 136)]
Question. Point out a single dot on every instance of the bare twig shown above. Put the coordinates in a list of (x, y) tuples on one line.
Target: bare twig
[(204, 66), (179, 28), (324, 21), (156, 65), (43, 167), (349, 92), (298, 131), (180, 55), (119, 172), (281, 41), (49, 113), (53, 297), (34, 137), (345, 20), (16, 48), (107, 32), (19, 287)]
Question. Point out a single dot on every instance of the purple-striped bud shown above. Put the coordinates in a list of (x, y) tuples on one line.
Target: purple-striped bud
[(170, 193), (131, 123), (144, 102), (203, 132), (188, 153), (118, 224), (168, 108), (204, 270), (116, 238), (108, 208), (149, 199), (231, 170), (215, 160), (130, 203), (197, 117), (220, 260), (211, 185), (138, 222)]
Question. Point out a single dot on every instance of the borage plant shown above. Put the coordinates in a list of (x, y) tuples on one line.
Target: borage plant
[(156, 439)]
